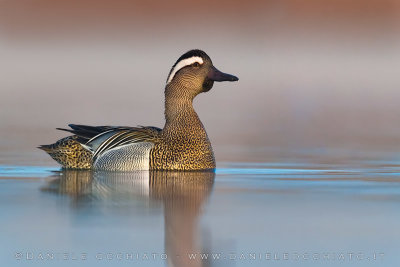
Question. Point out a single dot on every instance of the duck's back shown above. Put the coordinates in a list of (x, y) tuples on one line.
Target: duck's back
[(105, 148)]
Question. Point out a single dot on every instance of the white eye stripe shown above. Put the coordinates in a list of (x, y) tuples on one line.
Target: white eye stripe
[(183, 63)]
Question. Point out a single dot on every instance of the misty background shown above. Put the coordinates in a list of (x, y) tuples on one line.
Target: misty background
[(316, 77)]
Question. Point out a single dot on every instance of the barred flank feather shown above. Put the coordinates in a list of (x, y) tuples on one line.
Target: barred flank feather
[(89, 142)]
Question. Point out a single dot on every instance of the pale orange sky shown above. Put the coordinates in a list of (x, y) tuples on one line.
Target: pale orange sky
[(19, 19)]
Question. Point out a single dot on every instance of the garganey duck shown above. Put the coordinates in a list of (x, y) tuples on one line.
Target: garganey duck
[(182, 144)]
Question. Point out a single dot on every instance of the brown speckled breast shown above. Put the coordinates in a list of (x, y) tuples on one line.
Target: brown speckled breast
[(184, 146), (182, 154)]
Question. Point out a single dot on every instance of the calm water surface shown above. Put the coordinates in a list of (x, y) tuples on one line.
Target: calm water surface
[(244, 214)]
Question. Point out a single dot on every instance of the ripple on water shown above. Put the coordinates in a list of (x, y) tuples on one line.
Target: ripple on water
[(26, 171)]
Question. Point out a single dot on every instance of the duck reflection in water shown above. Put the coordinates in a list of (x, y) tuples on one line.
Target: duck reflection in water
[(182, 194)]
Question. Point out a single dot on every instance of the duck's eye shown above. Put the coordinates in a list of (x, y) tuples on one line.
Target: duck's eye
[(196, 64)]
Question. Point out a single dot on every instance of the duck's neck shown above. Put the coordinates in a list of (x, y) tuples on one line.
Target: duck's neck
[(180, 116)]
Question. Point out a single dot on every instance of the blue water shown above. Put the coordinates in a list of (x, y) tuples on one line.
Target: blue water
[(244, 214)]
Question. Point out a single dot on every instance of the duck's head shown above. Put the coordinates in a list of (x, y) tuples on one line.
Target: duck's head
[(195, 73)]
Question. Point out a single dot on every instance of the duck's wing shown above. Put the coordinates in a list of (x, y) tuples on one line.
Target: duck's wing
[(100, 139)]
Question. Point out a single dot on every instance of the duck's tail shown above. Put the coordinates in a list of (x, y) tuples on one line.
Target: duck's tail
[(69, 153)]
